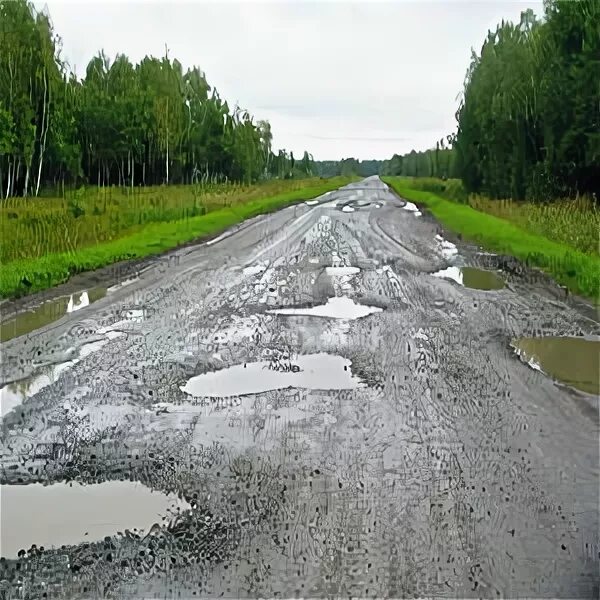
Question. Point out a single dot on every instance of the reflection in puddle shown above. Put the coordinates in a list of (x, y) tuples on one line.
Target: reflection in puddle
[(477, 279), (310, 371), (571, 360), (64, 514), (48, 312), (340, 307), (334, 271)]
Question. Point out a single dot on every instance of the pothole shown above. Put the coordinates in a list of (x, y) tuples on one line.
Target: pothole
[(309, 371), (339, 307), (68, 514), (470, 277), (571, 360)]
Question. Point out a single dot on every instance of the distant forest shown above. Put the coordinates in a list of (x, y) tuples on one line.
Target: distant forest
[(122, 124), (529, 115)]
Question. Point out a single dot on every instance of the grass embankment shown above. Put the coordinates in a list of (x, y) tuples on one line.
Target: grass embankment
[(45, 241), (520, 229)]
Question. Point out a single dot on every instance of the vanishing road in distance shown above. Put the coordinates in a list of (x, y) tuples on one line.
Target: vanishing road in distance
[(332, 400)]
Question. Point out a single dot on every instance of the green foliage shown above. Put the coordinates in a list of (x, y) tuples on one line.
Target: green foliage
[(123, 124), (529, 118), (43, 259), (347, 166), (451, 189), (437, 162), (573, 268)]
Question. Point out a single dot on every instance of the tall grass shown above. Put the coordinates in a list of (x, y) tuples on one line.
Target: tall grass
[(578, 270), (44, 255), (571, 221), (35, 227), (574, 222)]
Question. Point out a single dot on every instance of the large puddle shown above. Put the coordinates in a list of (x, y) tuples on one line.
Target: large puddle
[(477, 279), (340, 307), (48, 312), (309, 371), (571, 360), (68, 514)]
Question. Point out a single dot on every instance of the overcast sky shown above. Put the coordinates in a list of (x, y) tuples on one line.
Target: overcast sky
[(363, 79)]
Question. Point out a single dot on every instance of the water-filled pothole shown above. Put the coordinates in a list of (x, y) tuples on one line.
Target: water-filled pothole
[(309, 371), (571, 360), (339, 307), (477, 279), (68, 514)]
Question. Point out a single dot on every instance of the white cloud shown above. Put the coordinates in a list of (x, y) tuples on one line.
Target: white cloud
[(337, 78)]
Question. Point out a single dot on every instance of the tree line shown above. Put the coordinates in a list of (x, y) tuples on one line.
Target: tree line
[(124, 124), (529, 120), (529, 116)]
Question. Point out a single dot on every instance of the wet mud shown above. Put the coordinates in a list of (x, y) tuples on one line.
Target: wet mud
[(329, 418)]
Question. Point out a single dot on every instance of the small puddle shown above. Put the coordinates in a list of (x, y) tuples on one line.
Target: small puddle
[(571, 360), (413, 208), (48, 312), (337, 271), (340, 307), (477, 279), (309, 371), (65, 514)]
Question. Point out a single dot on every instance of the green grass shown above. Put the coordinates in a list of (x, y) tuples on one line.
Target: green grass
[(44, 270), (579, 271)]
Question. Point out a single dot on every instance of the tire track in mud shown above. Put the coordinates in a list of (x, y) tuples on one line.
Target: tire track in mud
[(456, 471)]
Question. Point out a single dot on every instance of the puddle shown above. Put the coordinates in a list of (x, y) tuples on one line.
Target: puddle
[(65, 514), (312, 202), (340, 307), (477, 279), (413, 208), (335, 271), (48, 312), (347, 208), (571, 360), (310, 371)]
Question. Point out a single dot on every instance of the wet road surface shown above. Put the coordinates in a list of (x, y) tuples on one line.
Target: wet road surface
[(337, 410)]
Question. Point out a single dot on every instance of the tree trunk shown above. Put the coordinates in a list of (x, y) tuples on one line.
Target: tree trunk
[(44, 131), (8, 181)]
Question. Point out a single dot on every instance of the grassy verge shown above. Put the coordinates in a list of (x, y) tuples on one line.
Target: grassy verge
[(25, 275), (577, 270)]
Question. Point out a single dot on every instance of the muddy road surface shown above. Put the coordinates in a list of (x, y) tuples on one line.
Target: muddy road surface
[(329, 401)]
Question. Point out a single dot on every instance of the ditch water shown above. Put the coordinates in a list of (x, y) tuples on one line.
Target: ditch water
[(48, 312), (571, 360), (53, 310), (70, 513), (471, 277)]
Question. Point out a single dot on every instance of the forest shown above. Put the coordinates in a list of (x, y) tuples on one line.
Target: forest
[(121, 124), (529, 114)]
